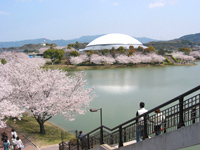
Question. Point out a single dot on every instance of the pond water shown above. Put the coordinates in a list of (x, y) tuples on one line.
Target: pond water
[(121, 90)]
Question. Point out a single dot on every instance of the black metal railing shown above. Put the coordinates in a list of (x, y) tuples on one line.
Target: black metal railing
[(178, 112)]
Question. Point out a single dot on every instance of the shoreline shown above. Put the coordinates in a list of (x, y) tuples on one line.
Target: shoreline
[(102, 67)]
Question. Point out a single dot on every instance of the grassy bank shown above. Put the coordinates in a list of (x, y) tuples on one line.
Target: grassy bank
[(30, 128), (96, 67), (101, 67)]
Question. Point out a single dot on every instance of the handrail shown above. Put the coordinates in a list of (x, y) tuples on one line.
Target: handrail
[(160, 106), (119, 128)]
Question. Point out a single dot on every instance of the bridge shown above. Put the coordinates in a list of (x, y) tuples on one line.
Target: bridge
[(180, 128)]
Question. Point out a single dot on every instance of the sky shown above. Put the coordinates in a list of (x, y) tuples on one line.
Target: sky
[(70, 19)]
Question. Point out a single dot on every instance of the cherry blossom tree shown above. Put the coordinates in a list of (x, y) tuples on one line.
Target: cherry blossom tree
[(146, 59), (136, 58), (156, 58), (79, 59), (181, 57), (44, 93), (195, 54), (8, 109), (76, 60), (123, 59), (108, 59), (96, 59)]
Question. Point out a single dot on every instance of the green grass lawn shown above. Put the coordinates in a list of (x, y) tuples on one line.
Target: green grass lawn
[(95, 67), (30, 128)]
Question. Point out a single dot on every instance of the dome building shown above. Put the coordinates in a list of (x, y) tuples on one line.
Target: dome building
[(113, 40)]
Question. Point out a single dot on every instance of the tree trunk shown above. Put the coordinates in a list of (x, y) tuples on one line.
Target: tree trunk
[(41, 121), (42, 130)]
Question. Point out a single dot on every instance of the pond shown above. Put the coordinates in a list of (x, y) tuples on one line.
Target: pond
[(119, 92)]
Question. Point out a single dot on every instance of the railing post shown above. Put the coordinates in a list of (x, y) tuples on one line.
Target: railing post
[(145, 127), (165, 129), (111, 139), (88, 141), (78, 144), (76, 131), (92, 143), (69, 144), (181, 121), (62, 140), (193, 115), (101, 135), (120, 137), (125, 135)]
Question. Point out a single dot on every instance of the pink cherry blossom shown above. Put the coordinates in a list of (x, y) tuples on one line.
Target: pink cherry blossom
[(195, 54), (123, 59), (44, 93)]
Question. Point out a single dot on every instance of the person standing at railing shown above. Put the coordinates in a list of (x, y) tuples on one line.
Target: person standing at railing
[(83, 140), (140, 122), (158, 120)]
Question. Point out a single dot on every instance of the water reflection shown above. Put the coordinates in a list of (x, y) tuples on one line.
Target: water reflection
[(120, 91), (117, 89)]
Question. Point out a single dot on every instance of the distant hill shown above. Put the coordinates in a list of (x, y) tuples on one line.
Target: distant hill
[(145, 39), (61, 42), (191, 37), (171, 45), (188, 41)]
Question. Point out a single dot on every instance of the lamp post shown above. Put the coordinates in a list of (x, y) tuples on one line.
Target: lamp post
[(95, 110), (101, 131)]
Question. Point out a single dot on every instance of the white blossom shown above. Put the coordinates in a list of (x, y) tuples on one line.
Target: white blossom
[(44, 93), (96, 59), (195, 54), (79, 59), (123, 59)]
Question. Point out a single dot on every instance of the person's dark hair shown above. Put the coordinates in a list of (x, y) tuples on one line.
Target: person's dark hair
[(142, 104), (13, 136), (157, 111), (80, 132), (4, 134), (5, 140), (17, 138), (13, 130)]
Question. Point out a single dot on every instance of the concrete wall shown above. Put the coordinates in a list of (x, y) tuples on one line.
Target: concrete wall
[(183, 137)]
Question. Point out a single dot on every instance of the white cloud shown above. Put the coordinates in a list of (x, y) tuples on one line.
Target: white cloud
[(162, 3), (4, 13), (156, 5), (115, 4)]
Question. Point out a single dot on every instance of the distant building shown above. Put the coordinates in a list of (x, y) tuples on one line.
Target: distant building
[(34, 55), (113, 40)]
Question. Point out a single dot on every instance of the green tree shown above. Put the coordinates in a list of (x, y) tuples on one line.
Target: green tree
[(131, 50), (53, 54), (149, 49), (77, 45), (105, 51), (69, 46), (161, 52), (112, 51), (3, 61), (52, 45), (90, 52), (121, 50), (185, 50), (140, 49), (59, 53), (74, 53)]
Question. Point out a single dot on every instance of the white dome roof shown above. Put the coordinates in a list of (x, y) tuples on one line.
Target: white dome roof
[(114, 38)]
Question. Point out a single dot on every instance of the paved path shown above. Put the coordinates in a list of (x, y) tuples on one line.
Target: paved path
[(53, 147), (28, 145)]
